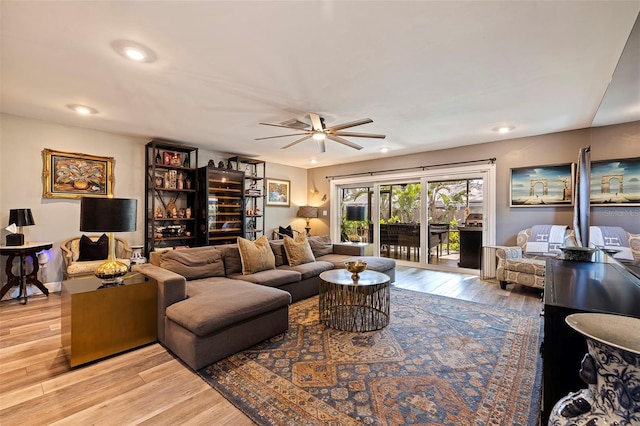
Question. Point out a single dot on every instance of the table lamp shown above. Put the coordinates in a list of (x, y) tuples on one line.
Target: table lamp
[(308, 212), (109, 215), (356, 214), (19, 218)]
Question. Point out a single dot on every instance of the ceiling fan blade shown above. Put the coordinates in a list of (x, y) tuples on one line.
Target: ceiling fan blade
[(321, 146), (360, 135), (343, 141), (317, 123), (281, 136), (295, 142), (350, 124), (281, 125)]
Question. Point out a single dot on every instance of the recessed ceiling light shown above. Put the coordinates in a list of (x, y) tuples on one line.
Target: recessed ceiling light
[(384, 150), (314, 161), (82, 109), (133, 50), (503, 129)]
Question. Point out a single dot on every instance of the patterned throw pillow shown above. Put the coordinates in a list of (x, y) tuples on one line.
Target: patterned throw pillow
[(93, 250), (298, 250), (256, 255)]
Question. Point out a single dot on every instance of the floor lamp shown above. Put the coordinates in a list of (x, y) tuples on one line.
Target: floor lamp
[(109, 215)]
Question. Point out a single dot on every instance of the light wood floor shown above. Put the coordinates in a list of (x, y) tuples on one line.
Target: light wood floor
[(148, 385)]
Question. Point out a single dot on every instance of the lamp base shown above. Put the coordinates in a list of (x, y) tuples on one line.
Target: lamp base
[(15, 239), (112, 272)]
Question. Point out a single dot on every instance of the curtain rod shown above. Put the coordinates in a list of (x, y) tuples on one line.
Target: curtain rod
[(490, 160)]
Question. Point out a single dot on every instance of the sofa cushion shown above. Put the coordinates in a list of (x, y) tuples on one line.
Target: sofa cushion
[(277, 247), (88, 267), (311, 269), (195, 287), (298, 250), (231, 256), (336, 259), (256, 255), (527, 266), (321, 245), (194, 263), (271, 277), (93, 250), (229, 304)]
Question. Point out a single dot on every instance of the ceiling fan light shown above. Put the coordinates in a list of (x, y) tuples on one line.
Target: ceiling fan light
[(133, 51), (319, 136), (503, 129), (82, 109)]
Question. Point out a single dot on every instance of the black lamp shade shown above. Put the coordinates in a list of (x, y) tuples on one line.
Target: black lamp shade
[(21, 217), (356, 213), (108, 214), (309, 212)]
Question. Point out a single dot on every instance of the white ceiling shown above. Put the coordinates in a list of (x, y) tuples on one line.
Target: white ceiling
[(430, 74)]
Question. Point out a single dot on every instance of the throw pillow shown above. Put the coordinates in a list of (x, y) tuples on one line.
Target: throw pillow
[(298, 250), (321, 245), (277, 246), (195, 263), (93, 250), (285, 231), (256, 255)]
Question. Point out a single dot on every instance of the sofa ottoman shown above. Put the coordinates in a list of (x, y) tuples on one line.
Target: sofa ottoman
[(204, 329)]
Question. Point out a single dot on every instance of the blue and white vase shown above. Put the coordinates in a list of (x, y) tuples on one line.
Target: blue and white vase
[(611, 370)]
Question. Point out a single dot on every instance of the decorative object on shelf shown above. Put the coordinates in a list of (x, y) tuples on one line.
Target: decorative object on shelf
[(186, 163), (221, 164), (188, 183), (158, 157), (211, 163), (278, 192), (167, 158), (542, 186), (171, 209), (356, 214), (176, 159), (611, 369), (229, 165), (158, 213), (109, 215), (71, 175), (308, 213), (187, 213), (355, 267), (159, 181), (17, 219)]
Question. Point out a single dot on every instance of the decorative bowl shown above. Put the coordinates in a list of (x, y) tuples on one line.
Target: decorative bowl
[(578, 254), (355, 267)]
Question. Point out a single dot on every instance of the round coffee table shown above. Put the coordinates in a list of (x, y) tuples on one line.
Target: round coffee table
[(349, 305)]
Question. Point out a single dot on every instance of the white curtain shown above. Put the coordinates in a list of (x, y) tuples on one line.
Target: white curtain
[(581, 193)]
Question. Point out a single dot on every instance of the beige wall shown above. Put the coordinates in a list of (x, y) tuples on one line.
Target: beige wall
[(21, 143), (621, 141)]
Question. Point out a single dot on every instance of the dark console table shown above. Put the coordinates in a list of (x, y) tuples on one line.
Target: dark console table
[(578, 287)]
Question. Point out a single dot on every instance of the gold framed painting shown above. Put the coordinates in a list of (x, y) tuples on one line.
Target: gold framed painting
[(73, 175), (278, 192)]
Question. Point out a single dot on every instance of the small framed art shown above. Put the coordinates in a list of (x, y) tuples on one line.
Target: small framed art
[(278, 192)]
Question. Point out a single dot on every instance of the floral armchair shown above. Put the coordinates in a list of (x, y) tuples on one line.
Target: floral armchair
[(73, 268), (517, 267)]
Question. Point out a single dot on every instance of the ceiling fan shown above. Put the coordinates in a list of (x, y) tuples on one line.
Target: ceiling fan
[(319, 132)]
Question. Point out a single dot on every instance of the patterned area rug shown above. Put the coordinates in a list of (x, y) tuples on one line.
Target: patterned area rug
[(441, 361)]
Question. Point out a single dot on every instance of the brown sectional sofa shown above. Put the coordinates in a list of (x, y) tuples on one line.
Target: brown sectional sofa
[(208, 309)]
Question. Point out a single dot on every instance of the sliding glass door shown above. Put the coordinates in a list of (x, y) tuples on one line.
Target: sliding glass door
[(416, 218)]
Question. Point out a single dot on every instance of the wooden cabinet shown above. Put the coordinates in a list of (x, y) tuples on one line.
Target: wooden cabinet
[(171, 188), (221, 214), (254, 193)]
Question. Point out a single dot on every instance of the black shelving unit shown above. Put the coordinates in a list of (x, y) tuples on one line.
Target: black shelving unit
[(221, 214), (171, 187), (254, 194)]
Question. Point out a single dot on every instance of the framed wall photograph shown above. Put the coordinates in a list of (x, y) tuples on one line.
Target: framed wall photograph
[(615, 182), (542, 186), (73, 175), (278, 192)]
